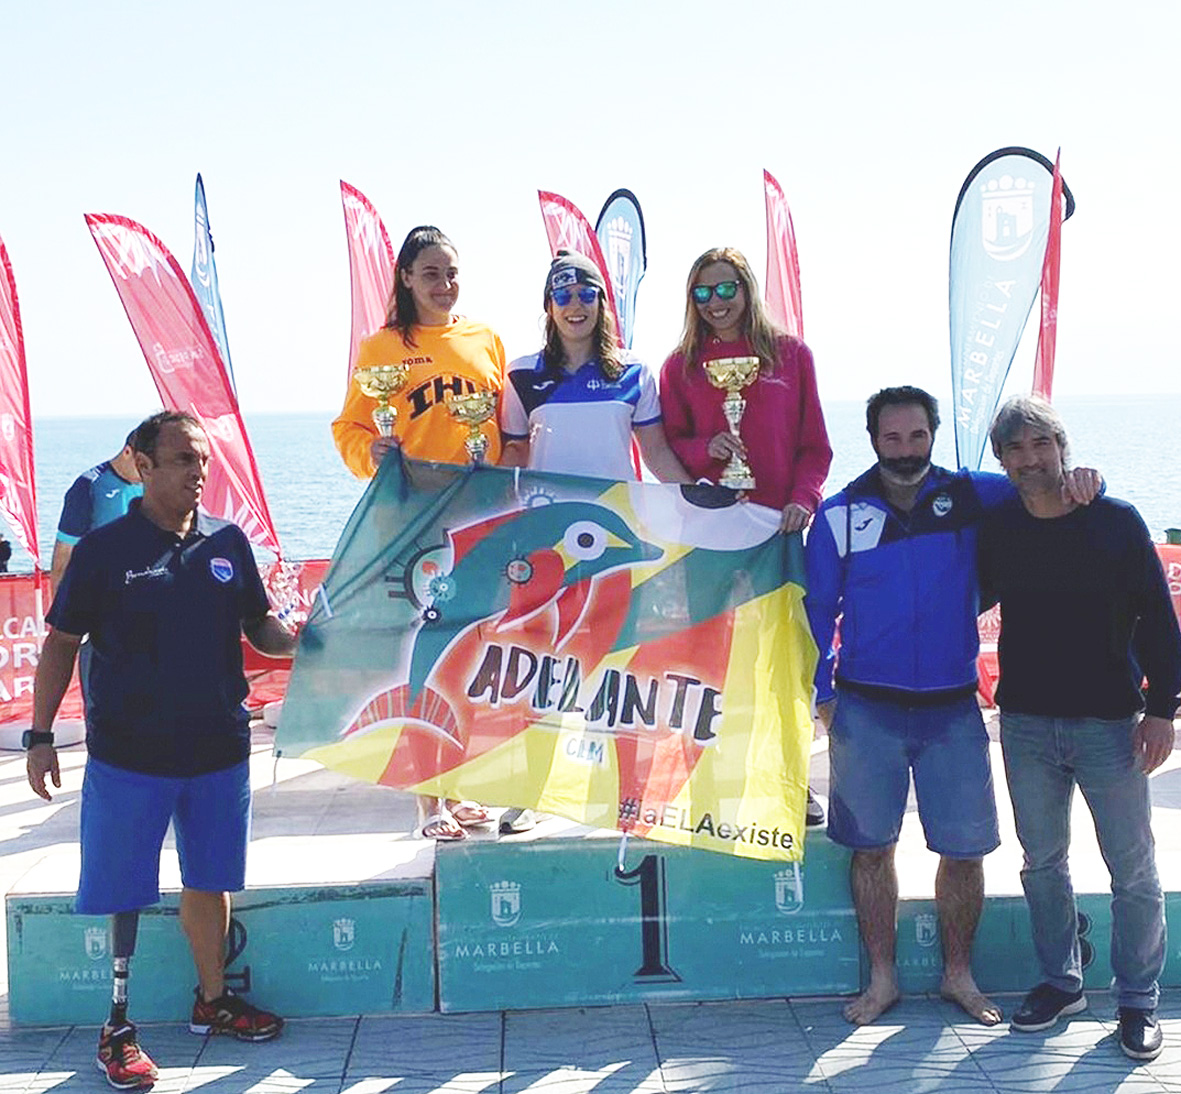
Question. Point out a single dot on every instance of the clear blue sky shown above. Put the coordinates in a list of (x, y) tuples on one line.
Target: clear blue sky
[(870, 115)]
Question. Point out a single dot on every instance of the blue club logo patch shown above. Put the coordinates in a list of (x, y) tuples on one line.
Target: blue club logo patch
[(222, 569)]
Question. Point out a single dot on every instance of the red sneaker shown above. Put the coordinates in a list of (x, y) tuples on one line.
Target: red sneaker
[(122, 1061), (232, 1015)]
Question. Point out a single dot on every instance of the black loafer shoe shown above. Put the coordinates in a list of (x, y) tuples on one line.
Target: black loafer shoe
[(1140, 1034), (1044, 1006)]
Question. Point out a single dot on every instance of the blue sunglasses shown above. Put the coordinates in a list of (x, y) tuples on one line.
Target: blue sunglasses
[(586, 295)]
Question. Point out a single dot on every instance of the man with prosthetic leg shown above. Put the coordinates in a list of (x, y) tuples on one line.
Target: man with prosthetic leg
[(165, 594)]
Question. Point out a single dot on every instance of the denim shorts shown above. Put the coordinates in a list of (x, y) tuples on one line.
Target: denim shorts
[(124, 819), (873, 747)]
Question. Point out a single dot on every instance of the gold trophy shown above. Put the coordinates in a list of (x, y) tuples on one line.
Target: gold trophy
[(733, 374), (380, 382), (473, 410)]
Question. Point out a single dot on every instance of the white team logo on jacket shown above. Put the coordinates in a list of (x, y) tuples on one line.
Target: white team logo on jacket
[(222, 569)]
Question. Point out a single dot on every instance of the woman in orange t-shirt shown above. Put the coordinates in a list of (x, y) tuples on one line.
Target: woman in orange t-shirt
[(446, 354)]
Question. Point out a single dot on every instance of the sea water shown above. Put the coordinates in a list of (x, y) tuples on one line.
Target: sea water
[(311, 494)]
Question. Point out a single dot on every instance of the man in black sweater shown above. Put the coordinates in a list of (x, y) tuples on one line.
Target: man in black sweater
[(1086, 616)]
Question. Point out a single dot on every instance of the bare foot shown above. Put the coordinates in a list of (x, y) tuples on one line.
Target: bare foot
[(874, 1001), (962, 991)]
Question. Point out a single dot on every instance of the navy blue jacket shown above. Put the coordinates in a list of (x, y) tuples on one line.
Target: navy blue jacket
[(903, 585)]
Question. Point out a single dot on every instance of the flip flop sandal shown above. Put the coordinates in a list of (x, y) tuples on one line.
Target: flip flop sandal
[(469, 814), (449, 829)]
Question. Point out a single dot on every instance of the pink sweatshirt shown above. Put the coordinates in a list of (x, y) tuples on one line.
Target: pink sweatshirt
[(783, 426)]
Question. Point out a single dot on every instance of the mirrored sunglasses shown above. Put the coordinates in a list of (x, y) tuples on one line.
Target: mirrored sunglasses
[(726, 290), (586, 295)]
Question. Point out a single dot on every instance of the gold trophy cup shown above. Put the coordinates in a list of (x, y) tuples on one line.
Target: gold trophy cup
[(733, 374), (473, 410), (380, 382)]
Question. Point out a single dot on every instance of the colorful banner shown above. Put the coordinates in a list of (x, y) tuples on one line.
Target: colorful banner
[(782, 295), (204, 279), (568, 230), (371, 266), (998, 244), (183, 359), (621, 236), (627, 655), (1043, 366), (18, 489)]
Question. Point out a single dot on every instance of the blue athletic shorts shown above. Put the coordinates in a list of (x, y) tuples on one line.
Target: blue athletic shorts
[(125, 817), (874, 744)]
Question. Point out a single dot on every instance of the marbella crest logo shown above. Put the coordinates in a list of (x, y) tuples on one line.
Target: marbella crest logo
[(1006, 217), (95, 941), (344, 934), (789, 891), (222, 569), (506, 902), (926, 930)]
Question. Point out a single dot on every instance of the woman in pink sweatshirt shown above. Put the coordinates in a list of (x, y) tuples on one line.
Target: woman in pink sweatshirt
[(783, 438)]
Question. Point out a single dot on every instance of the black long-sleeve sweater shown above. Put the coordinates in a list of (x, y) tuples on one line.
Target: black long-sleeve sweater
[(1085, 610)]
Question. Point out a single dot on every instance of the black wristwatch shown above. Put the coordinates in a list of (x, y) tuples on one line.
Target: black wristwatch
[(32, 737)]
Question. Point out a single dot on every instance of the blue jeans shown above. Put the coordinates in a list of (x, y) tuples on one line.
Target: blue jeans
[(1044, 759)]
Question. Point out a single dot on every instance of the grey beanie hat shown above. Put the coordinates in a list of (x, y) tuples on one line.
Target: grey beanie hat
[(570, 268)]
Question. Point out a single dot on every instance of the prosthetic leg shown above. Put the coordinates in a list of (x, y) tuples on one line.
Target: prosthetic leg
[(124, 926), (125, 1065)]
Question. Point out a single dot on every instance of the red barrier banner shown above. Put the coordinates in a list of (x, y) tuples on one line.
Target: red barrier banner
[(18, 494), (371, 265), (22, 630), (183, 359), (782, 291), (1043, 366)]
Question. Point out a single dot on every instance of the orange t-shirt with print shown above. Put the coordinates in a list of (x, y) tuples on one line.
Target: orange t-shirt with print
[(461, 357)]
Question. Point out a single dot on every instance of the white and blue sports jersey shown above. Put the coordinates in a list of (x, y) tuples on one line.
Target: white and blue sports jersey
[(578, 423)]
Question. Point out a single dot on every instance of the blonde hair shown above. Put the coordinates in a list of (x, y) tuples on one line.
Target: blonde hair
[(757, 327)]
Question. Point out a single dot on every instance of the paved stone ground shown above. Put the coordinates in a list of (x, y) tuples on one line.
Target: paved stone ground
[(757, 1047)]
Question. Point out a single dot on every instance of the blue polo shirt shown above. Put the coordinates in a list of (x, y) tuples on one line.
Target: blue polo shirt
[(164, 615), (97, 497)]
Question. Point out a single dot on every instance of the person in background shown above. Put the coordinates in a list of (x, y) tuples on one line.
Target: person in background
[(1086, 616), (97, 497), (446, 354), (5, 554), (784, 439), (166, 593)]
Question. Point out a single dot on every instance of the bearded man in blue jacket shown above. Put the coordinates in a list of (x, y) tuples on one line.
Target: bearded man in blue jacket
[(893, 558)]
